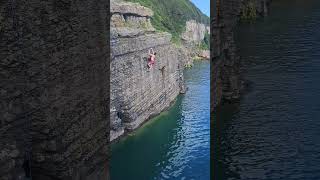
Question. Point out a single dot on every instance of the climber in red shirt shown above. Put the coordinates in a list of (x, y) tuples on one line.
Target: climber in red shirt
[(152, 58)]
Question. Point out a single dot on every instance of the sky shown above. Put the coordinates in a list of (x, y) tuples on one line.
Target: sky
[(203, 5)]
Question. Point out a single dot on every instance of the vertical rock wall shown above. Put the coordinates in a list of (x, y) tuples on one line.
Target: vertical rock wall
[(195, 31), (192, 37), (53, 89), (139, 93), (225, 79)]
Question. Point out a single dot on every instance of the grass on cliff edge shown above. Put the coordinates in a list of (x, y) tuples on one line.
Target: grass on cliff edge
[(171, 15)]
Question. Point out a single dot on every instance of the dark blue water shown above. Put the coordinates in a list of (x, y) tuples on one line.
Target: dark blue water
[(274, 132), (174, 145)]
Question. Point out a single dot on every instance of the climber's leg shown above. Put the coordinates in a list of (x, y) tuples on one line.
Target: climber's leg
[(149, 64)]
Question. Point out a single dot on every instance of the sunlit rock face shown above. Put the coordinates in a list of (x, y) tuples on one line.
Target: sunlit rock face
[(192, 37), (225, 80), (195, 31), (139, 93)]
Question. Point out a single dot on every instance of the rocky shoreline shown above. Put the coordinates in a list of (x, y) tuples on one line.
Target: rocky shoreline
[(124, 134)]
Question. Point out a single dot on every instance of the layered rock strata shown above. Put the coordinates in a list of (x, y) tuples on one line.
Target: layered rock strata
[(225, 80), (139, 93), (53, 86)]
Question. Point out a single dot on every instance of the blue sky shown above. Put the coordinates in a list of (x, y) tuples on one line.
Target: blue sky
[(203, 5)]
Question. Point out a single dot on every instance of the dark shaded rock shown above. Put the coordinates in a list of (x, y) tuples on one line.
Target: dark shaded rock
[(54, 105), (225, 79)]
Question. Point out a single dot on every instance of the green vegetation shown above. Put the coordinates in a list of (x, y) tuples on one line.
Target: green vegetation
[(171, 15), (250, 12), (197, 58), (205, 44), (188, 65)]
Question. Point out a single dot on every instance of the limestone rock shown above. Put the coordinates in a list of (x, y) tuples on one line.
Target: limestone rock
[(129, 45), (205, 54), (130, 8), (208, 29), (195, 31), (130, 19), (139, 93)]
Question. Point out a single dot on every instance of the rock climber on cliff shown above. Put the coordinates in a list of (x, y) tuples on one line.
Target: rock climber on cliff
[(152, 58)]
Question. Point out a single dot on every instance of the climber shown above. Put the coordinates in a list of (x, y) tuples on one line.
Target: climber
[(152, 58)]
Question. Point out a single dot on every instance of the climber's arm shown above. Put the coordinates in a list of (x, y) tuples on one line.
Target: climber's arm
[(151, 52)]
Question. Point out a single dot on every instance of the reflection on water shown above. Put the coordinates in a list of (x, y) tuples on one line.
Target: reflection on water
[(274, 133), (174, 145)]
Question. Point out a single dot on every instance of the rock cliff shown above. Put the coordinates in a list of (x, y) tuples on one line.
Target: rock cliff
[(192, 38), (225, 80), (195, 31), (139, 93), (53, 88)]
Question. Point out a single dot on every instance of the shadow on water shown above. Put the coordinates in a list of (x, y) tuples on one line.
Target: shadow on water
[(222, 119)]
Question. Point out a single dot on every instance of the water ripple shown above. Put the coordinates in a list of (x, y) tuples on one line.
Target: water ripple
[(175, 145), (189, 154), (274, 132)]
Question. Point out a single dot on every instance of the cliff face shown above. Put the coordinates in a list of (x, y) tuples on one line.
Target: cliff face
[(138, 93), (226, 82), (53, 90), (195, 31), (192, 37)]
